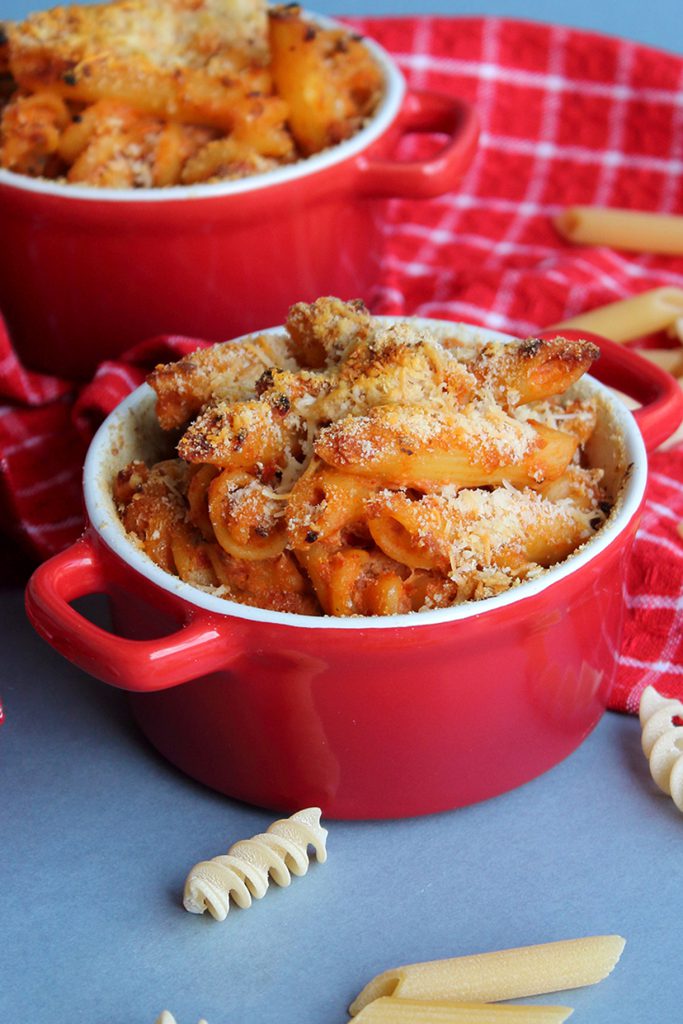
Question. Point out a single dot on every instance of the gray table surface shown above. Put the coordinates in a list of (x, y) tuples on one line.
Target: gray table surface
[(97, 833)]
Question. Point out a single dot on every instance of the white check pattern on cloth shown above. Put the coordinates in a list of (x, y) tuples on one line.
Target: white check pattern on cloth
[(440, 253), (567, 118)]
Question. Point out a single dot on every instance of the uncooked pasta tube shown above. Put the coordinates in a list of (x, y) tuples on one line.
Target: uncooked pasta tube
[(389, 1010), (633, 230), (675, 330), (669, 359), (627, 319), (166, 1017), (506, 974)]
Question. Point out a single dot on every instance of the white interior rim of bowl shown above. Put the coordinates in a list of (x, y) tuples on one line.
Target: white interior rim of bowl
[(389, 106), (106, 523)]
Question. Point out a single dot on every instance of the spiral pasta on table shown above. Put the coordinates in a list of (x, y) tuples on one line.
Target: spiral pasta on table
[(245, 871), (348, 465), (661, 719), (147, 94)]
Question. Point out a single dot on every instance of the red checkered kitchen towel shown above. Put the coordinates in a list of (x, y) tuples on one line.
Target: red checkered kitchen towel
[(567, 118)]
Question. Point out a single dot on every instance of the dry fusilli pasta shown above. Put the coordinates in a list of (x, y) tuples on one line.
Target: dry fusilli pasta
[(662, 741), (244, 872)]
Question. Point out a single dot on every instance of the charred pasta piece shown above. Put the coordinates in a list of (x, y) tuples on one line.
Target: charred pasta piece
[(228, 371), (536, 368), (324, 330)]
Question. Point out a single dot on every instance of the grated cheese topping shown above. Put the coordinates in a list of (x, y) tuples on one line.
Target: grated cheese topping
[(406, 469)]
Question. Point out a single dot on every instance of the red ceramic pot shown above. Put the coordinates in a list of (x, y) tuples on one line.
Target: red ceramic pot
[(364, 717), (85, 273)]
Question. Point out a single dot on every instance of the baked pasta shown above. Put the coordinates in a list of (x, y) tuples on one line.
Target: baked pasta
[(352, 466), (152, 93)]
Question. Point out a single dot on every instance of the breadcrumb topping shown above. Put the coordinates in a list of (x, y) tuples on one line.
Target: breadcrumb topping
[(395, 468)]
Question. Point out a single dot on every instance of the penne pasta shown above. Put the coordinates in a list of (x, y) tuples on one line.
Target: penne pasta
[(675, 329), (410, 448), (225, 372), (390, 1010), (246, 521), (324, 77), (669, 359), (506, 974), (355, 466), (321, 332), (631, 318), (205, 90), (633, 230), (233, 436), (325, 502), (353, 581), (538, 368)]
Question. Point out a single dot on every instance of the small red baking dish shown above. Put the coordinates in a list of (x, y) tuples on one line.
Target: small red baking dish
[(87, 272), (364, 717)]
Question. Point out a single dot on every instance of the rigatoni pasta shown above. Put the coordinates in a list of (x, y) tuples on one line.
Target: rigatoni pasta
[(352, 466)]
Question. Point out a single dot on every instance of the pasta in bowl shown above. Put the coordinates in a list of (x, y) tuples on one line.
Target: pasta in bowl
[(348, 466), (141, 94), (163, 158), (371, 710)]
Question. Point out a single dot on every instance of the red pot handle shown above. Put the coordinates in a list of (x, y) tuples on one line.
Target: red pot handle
[(425, 111), (199, 646), (622, 368)]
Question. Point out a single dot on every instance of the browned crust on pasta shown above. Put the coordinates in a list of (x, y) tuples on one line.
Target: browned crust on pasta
[(227, 370), (377, 470), (536, 368)]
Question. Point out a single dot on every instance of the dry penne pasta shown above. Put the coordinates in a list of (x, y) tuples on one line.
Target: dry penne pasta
[(675, 329), (633, 230), (506, 974), (631, 318), (390, 1010), (353, 466), (669, 359)]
